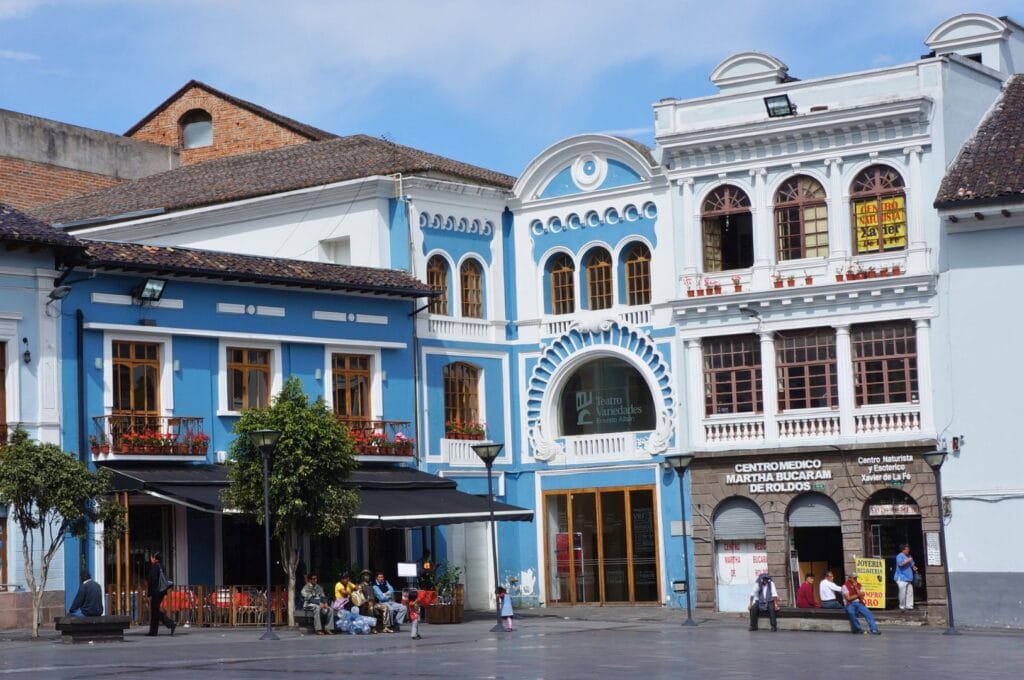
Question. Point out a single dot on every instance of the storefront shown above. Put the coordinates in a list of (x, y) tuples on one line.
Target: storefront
[(793, 514)]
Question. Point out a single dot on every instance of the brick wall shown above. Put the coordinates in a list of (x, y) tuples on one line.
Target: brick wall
[(26, 184), (235, 130)]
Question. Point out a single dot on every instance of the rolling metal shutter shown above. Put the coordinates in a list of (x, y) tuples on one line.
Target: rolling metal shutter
[(737, 519), (813, 510)]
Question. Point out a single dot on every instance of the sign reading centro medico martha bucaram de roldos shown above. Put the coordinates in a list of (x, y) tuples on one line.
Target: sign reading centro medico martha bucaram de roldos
[(778, 476)]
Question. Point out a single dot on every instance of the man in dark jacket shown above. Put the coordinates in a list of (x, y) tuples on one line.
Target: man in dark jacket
[(156, 597), (89, 599)]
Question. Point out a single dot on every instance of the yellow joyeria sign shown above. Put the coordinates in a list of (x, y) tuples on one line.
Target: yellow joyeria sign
[(893, 224), (871, 576)]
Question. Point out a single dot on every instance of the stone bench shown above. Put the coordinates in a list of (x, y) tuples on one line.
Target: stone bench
[(795, 618), (77, 629)]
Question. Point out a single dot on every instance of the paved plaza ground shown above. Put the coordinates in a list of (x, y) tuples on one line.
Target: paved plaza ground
[(595, 643)]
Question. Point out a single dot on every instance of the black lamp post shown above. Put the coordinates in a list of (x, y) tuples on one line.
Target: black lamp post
[(488, 451), (265, 440), (935, 459), (679, 463)]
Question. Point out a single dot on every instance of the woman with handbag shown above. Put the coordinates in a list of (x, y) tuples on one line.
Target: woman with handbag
[(906, 577), (158, 585)]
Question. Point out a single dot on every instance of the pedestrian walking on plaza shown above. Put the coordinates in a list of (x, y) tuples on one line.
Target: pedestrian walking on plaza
[(158, 585), (505, 607), (414, 614), (764, 600), (904, 577), (853, 595)]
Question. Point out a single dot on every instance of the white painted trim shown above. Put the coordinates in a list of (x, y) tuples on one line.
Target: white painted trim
[(222, 370), (230, 308), (253, 337), (127, 300), (131, 334), (265, 310), (12, 387), (372, 318), (498, 475), (376, 379)]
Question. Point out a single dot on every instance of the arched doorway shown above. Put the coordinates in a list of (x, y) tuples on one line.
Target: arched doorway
[(815, 538), (740, 553), (891, 518)]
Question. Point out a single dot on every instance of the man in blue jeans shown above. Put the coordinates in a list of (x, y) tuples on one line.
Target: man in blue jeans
[(853, 595)]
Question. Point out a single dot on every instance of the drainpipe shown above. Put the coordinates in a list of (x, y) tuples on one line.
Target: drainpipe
[(82, 439)]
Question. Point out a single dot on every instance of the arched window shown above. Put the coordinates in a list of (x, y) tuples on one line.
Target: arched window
[(437, 278), (461, 395), (605, 395), (638, 274), (562, 273), (801, 219), (472, 279), (196, 129), (879, 206), (728, 230), (599, 279)]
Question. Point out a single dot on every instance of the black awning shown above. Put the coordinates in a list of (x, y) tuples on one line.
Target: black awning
[(405, 497), (194, 486)]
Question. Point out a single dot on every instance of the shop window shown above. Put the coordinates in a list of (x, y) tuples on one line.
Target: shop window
[(350, 374), (884, 363), (437, 278), (248, 372), (638, 275), (732, 375), (878, 202), (472, 279), (801, 219), (728, 230), (196, 129), (599, 279), (562, 275), (606, 395), (136, 386), (806, 366), (461, 394)]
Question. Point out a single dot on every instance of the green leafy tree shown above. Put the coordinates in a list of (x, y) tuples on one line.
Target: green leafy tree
[(52, 495), (312, 458)]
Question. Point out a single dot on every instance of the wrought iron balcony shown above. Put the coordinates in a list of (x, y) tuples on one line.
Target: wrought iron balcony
[(380, 437), (145, 434)]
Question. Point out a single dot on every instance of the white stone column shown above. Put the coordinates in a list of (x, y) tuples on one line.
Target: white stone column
[(769, 387), (839, 237), (924, 375), (695, 392), (688, 248), (764, 234), (46, 359), (917, 245), (844, 378)]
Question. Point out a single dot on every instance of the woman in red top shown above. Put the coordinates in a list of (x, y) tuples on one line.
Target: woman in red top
[(805, 596)]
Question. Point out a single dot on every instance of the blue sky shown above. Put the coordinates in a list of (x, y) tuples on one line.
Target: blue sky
[(492, 83)]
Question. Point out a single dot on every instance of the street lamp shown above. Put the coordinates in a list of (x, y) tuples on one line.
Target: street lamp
[(488, 451), (679, 463), (935, 459), (265, 440)]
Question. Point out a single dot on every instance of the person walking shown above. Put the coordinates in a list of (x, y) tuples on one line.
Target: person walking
[(505, 607), (414, 614), (904, 577), (158, 585)]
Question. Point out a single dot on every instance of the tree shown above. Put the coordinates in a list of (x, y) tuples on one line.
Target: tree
[(311, 460), (53, 495)]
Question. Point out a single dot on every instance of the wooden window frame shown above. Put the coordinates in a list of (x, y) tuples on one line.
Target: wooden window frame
[(807, 356), (724, 201), (600, 282), (877, 183), (794, 228), (562, 277), (146, 418), (461, 393), (437, 278), (247, 366), (729, 363), (471, 278), (342, 366), (885, 356), (638, 275)]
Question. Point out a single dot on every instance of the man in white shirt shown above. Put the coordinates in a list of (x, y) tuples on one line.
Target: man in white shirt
[(764, 600), (828, 592)]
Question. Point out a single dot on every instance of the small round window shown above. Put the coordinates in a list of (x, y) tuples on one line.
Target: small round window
[(196, 129), (606, 395)]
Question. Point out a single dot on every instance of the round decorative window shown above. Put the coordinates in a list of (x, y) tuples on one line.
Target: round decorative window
[(606, 395)]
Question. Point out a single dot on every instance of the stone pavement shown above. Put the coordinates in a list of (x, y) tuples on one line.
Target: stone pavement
[(580, 642)]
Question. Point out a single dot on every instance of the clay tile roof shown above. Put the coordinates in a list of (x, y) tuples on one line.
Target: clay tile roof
[(166, 260), (17, 227), (264, 173), (307, 131), (990, 166)]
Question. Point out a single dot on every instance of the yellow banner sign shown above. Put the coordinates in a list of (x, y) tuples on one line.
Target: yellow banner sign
[(893, 224), (871, 575)]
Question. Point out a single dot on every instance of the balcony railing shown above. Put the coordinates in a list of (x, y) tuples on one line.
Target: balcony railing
[(808, 424), (460, 327), (632, 316), (213, 606), (380, 437), (145, 434)]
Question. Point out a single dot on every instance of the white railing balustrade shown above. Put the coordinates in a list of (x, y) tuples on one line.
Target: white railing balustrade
[(460, 452), (808, 425), (556, 326), (601, 447), (636, 317), (888, 419), (469, 329), (744, 428)]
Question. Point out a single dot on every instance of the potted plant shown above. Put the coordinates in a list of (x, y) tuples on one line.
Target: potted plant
[(839, 275), (870, 272), (808, 279), (94, 444), (790, 280), (404, 443), (895, 270), (883, 270), (128, 442), (709, 286), (200, 443), (450, 605), (717, 288), (851, 272), (737, 286), (777, 279), (688, 282)]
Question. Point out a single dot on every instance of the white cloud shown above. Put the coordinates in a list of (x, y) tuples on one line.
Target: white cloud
[(14, 55)]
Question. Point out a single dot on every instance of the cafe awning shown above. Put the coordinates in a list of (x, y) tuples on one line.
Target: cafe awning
[(393, 498), (193, 486)]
